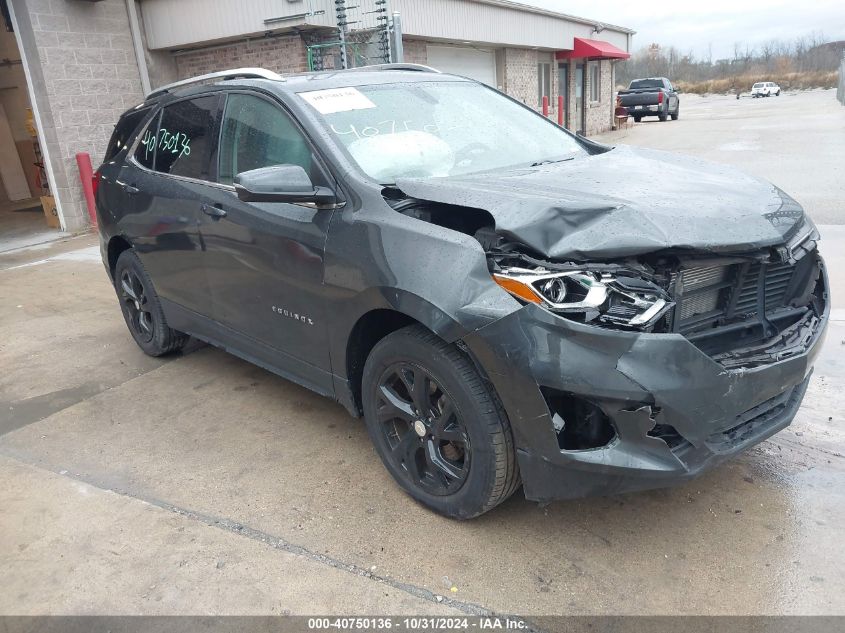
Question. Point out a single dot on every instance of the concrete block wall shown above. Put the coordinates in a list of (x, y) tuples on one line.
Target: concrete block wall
[(284, 54), (83, 75)]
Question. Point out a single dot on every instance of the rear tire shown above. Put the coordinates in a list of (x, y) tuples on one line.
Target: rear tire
[(437, 425), (662, 117), (142, 309), (637, 119)]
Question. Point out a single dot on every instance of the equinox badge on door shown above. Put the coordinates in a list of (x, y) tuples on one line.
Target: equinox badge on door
[(292, 315)]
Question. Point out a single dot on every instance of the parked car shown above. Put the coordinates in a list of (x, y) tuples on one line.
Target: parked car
[(765, 89), (654, 96), (524, 308)]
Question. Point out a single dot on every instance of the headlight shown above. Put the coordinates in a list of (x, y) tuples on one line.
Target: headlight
[(615, 300)]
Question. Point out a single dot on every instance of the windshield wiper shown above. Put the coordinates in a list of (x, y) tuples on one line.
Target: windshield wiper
[(549, 161)]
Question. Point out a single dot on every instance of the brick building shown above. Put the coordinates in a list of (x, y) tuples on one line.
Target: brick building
[(83, 62)]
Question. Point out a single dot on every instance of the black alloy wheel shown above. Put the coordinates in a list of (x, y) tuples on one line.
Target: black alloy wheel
[(437, 425), (142, 309), (423, 429), (134, 297)]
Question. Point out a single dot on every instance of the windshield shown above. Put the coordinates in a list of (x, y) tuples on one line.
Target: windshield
[(646, 83), (430, 129)]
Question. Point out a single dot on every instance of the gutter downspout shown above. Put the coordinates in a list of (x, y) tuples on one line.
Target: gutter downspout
[(138, 45)]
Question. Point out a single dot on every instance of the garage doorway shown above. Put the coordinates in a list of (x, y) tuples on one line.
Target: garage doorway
[(474, 63), (23, 180)]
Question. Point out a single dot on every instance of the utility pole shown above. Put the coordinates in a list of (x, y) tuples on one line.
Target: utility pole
[(396, 49)]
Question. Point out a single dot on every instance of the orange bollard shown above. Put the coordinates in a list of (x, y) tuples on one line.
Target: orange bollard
[(560, 110), (545, 105)]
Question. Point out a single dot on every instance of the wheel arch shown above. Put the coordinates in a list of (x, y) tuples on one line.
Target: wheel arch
[(116, 246), (395, 310)]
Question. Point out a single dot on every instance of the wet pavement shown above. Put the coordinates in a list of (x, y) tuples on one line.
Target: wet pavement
[(203, 484)]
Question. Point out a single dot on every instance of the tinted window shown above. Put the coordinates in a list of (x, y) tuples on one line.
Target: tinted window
[(646, 83), (122, 135), (145, 152), (186, 138), (256, 134)]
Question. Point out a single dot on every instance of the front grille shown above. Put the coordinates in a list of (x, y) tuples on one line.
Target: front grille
[(715, 295), (747, 312)]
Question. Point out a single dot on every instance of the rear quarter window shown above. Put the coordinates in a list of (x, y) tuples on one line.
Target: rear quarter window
[(124, 131), (145, 152)]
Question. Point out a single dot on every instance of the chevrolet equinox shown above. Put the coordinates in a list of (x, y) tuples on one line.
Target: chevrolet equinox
[(506, 304)]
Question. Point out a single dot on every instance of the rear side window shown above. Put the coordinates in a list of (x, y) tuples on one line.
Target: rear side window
[(182, 140), (122, 135), (256, 134), (186, 137)]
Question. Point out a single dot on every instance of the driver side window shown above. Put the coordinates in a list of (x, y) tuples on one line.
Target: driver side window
[(256, 134)]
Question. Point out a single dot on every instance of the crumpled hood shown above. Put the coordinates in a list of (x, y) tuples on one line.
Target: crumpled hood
[(623, 202)]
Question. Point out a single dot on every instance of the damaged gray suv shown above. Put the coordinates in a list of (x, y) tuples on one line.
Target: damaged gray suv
[(504, 303)]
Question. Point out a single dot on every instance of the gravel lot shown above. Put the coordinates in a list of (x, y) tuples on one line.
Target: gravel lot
[(201, 484)]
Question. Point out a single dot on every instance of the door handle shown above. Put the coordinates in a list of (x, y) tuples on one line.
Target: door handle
[(131, 190), (214, 210)]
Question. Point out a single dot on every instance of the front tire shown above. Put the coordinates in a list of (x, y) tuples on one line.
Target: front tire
[(142, 309), (676, 113), (437, 425), (637, 119)]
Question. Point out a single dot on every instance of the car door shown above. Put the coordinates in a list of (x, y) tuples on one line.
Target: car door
[(173, 166), (264, 260)]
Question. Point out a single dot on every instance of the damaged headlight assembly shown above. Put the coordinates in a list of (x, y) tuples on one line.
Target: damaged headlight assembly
[(609, 299)]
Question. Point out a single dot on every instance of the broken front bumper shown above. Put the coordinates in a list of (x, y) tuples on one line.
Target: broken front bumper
[(674, 410)]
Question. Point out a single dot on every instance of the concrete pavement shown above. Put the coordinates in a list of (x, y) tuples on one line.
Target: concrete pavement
[(202, 484)]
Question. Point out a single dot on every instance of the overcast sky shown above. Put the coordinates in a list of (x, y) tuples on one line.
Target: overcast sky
[(694, 25)]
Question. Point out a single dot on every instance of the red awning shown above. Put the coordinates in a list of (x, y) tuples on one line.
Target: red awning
[(596, 49)]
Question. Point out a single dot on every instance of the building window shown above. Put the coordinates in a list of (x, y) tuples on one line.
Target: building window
[(595, 82), (544, 82)]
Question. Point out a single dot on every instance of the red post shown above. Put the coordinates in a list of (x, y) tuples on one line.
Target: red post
[(86, 175), (545, 105), (560, 110)]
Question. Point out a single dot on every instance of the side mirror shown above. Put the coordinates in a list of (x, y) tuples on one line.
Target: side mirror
[(281, 183)]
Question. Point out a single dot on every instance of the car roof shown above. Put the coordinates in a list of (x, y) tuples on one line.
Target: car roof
[(303, 82)]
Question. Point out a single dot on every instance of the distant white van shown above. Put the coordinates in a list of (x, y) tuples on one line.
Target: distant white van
[(765, 89)]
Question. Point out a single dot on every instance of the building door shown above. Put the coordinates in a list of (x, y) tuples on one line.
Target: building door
[(563, 89), (469, 62), (580, 103)]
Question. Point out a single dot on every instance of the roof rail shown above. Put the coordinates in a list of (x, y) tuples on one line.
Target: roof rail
[(235, 73), (397, 66)]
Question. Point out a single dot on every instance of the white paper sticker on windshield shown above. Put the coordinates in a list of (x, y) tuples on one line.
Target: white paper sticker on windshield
[(337, 100)]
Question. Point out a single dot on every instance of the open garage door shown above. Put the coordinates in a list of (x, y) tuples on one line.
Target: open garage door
[(470, 62)]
